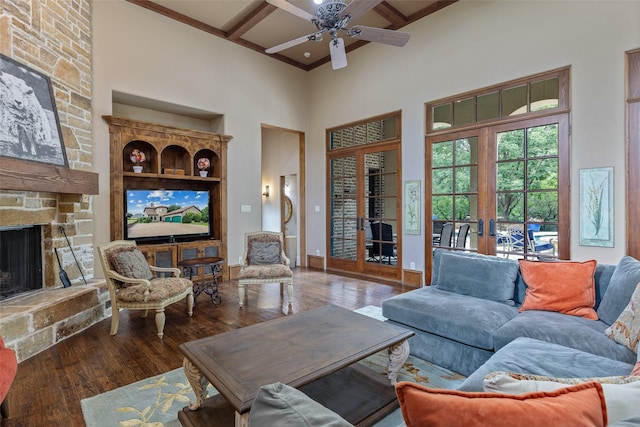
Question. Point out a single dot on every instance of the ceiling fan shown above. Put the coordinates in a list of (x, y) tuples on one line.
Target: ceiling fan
[(333, 16)]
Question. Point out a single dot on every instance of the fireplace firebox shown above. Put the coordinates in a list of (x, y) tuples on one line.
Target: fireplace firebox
[(20, 260)]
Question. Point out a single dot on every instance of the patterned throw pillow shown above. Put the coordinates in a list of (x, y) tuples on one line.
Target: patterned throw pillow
[(130, 262), (264, 252), (626, 329), (621, 393)]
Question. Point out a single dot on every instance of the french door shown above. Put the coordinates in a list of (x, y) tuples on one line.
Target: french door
[(509, 183), (364, 210)]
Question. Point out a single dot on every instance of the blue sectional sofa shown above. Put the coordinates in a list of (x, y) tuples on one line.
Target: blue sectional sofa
[(470, 313)]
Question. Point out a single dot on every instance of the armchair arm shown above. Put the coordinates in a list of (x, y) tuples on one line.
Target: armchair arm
[(176, 271), (124, 279)]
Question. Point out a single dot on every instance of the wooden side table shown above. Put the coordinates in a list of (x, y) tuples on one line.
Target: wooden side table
[(209, 287)]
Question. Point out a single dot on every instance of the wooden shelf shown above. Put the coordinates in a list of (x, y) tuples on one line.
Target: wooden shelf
[(169, 176)]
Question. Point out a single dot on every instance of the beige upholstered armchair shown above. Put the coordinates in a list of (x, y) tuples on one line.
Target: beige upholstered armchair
[(264, 261), (132, 283)]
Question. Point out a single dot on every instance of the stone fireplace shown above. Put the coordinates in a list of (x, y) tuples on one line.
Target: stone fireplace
[(42, 312)]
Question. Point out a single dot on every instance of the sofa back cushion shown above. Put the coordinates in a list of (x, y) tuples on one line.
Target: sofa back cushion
[(480, 276), (621, 285)]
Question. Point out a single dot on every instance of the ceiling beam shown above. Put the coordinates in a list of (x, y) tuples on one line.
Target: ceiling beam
[(391, 14), (147, 4), (254, 17)]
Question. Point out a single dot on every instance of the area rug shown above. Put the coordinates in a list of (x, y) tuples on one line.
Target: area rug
[(156, 401)]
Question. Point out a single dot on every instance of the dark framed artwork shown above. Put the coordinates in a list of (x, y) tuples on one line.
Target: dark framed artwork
[(29, 125)]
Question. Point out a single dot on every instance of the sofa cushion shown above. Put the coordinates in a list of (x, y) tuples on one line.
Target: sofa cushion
[(622, 284), (621, 393), (626, 329), (284, 406), (461, 318), (531, 356), (578, 405), (566, 287), (570, 331), (485, 277)]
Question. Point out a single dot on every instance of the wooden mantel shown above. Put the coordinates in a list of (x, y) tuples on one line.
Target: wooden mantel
[(23, 175)]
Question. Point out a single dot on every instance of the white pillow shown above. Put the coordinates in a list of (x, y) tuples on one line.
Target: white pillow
[(621, 394)]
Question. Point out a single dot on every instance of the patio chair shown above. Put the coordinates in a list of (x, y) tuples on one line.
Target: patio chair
[(132, 284), (383, 244), (518, 240), (463, 232), (264, 261), (446, 235)]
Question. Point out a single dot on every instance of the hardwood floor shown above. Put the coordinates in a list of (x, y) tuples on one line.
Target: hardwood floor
[(49, 386)]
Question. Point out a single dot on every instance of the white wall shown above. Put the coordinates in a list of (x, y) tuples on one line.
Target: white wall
[(473, 44), (147, 55), (466, 46)]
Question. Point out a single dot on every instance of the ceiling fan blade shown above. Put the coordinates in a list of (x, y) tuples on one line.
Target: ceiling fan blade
[(295, 42), (338, 54), (358, 7), (294, 10), (380, 35)]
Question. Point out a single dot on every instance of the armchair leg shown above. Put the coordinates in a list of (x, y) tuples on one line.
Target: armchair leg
[(241, 291), (115, 319), (289, 292), (190, 304), (160, 322)]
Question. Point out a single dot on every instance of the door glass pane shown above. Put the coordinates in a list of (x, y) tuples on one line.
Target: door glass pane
[(543, 174), (510, 145), (466, 181), (544, 94), (542, 141), (343, 207), (510, 206), (442, 154), (466, 151), (442, 180), (514, 101), (442, 208), (463, 112), (360, 134), (488, 106), (442, 116), (510, 176)]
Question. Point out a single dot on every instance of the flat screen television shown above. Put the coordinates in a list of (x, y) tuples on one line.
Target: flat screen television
[(161, 215)]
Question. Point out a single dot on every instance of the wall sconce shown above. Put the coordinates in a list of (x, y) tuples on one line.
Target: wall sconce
[(266, 191)]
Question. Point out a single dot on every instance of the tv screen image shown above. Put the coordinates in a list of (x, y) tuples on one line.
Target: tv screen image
[(166, 214)]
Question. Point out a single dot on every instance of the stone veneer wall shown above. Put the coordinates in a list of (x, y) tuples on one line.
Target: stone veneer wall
[(54, 38)]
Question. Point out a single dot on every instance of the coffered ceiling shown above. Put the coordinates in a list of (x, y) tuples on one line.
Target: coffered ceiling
[(258, 25)]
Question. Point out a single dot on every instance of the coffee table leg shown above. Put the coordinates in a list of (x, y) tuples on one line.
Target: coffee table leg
[(197, 381), (398, 354), (242, 420)]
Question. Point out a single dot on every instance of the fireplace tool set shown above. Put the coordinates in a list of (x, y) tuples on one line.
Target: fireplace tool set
[(63, 275)]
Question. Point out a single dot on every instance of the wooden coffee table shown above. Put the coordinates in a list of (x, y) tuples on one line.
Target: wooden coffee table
[(315, 351)]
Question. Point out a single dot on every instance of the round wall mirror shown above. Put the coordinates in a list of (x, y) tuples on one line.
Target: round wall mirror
[(288, 209)]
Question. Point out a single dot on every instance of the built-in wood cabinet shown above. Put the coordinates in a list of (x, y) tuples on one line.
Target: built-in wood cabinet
[(171, 162)]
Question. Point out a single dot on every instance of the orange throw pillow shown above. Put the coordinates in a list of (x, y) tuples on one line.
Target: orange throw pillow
[(565, 287), (581, 405)]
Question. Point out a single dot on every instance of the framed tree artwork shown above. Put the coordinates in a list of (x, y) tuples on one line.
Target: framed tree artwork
[(596, 207), (29, 125), (411, 210)]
